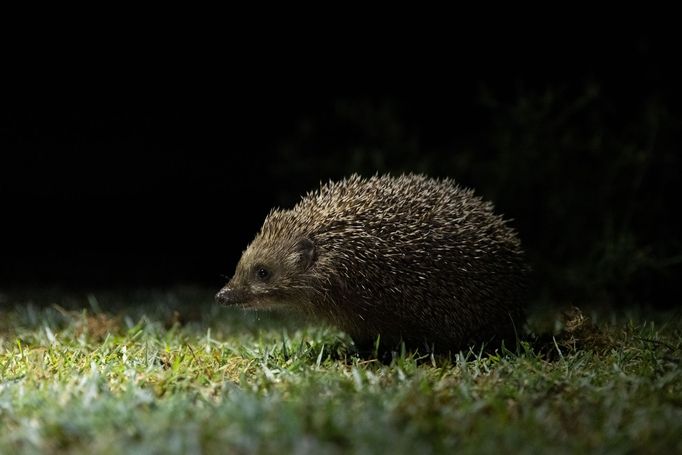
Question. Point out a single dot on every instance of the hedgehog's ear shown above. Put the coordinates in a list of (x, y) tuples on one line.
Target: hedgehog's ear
[(308, 255)]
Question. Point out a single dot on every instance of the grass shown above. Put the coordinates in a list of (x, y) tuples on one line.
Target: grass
[(172, 373)]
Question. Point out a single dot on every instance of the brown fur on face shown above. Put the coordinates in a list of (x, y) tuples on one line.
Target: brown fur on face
[(272, 272)]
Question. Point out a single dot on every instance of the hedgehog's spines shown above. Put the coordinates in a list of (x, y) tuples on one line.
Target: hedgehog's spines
[(407, 257)]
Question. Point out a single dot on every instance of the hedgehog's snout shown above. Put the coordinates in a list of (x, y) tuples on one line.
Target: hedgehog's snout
[(230, 296)]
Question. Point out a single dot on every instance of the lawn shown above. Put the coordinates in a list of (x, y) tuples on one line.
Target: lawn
[(170, 372)]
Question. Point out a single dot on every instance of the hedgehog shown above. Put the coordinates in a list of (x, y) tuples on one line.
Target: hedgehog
[(408, 259)]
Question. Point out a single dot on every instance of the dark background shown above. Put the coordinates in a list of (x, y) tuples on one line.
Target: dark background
[(156, 167)]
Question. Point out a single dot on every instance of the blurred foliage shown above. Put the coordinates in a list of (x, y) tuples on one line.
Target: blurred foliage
[(590, 177)]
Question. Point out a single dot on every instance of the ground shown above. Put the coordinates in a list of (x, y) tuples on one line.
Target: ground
[(170, 372)]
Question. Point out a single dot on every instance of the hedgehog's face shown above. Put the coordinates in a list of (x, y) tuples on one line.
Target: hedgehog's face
[(270, 275)]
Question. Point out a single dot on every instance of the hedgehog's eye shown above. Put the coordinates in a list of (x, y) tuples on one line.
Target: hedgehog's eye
[(262, 273)]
